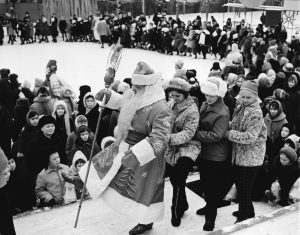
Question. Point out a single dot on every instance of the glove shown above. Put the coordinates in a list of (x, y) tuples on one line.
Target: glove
[(130, 160)]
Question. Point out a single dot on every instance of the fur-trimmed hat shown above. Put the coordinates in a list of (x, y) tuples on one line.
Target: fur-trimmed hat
[(288, 67), (46, 119), (289, 153), (295, 139), (214, 86), (80, 118), (179, 84), (250, 86), (280, 94), (144, 75), (107, 141), (215, 73)]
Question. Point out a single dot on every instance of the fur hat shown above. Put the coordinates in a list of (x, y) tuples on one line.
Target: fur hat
[(289, 153), (144, 75), (250, 86), (214, 86), (180, 84), (80, 118), (46, 119), (288, 67), (84, 89), (107, 141), (179, 64), (42, 90), (283, 61), (275, 65)]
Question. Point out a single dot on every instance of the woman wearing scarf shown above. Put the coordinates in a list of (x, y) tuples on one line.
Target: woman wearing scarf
[(248, 135)]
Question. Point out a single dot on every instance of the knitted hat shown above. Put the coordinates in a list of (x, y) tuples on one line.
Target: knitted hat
[(296, 140), (214, 86), (180, 84), (3, 160), (280, 94), (80, 118), (289, 153), (231, 79), (42, 90), (144, 75), (107, 141), (52, 65), (84, 89), (281, 75), (179, 64), (250, 86), (288, 68), (38, 82), (180, 73), (266, 67), (46, 119), (216, 66)]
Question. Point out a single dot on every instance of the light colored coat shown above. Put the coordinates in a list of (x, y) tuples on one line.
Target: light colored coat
[(51, 182), (186, 119), (249, 135)]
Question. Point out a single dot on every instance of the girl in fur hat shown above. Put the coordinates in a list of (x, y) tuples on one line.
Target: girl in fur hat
[(63, 123)]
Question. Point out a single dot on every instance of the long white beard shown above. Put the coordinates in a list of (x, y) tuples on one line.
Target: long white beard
[(131, 104)]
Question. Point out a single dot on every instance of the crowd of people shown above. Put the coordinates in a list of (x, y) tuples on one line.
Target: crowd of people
[(237, 127)]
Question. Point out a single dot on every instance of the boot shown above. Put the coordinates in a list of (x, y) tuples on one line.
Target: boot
[(73, 180), (209, 225), (201, 211), (140, 228), (236, 214), (176, 218)]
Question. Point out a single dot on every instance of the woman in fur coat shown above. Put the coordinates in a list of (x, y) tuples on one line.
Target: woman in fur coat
[(248, 135), (183, 149)]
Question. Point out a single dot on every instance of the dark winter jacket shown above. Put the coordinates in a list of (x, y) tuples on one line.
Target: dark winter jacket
[(293, 109), (20, 111), (8, 96), (37, 154), (92, 117), (213, 125), (43, 105), (28, 133), (6, 127)]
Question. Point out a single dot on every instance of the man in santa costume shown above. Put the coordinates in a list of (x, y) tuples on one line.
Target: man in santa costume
[(129, 174)]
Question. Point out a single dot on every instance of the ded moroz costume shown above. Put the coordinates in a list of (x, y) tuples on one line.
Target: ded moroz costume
[(129, 174)]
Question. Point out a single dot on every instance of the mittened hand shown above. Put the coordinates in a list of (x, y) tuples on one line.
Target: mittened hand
[(130, 160), (99, 96)]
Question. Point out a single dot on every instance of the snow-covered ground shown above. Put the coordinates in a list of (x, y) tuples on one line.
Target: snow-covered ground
[(85, 63), (98, 219)]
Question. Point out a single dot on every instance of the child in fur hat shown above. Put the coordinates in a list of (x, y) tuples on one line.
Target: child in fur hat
[(286, 169)]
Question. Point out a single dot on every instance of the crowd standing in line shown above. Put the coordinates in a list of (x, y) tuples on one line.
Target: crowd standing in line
[(245, 125)]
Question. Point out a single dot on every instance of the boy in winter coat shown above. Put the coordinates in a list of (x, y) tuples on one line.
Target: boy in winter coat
[(91, 110), (50, 184), (287, 172)]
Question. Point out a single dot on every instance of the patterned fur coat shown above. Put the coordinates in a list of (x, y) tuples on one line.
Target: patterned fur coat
[(249, 135), (186, 119)]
